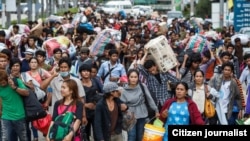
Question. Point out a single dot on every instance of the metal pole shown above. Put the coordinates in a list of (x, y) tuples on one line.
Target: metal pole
[(18, 11), (191, 7), (67, 5), (42, 8), (3, 14), (221, 13), (30, 10)]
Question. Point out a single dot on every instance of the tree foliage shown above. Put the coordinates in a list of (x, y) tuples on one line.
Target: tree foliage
[(203, 8)]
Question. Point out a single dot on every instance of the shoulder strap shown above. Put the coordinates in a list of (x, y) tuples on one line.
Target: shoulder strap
[(110, 70), (206, 89), (67, 107), (143, 91)]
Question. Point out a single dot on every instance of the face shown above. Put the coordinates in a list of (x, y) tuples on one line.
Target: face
[(204, 59), (230, 50), (31, 42), (227, 71), (180, 91), (84, 56), (40, 58), (131, 41), (199, 78), (33, 64), (93, 72), (3, 63), (2, 38), (114, 57), (65, 90), (116, 94), (133, 78), (58, 55), (195, 65), (15, 69), (153, 70), (140, 54), (85, 74), (78, 43), (64, 67), (225, 59)]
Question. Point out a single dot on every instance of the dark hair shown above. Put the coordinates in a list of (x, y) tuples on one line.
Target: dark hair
[(230, 45), (40, 52), (2, 33), (78, 39), (65, 60), (131, 71), (182, 83), (113, 51), (32, 37), (207, 54), (195, 57), (66, 54), (228, 64), (109, 46), (149, 64), (57, 50), (33, 58), (226, 53), (95, 66), (74, 88), (200, 72), (14, 61), (85, 67), (16, 26), (7, 52), (246, 56)]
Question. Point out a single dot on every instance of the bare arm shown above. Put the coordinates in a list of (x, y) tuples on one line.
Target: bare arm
[(144, 57)]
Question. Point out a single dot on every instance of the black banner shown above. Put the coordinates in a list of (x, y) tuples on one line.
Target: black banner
[(208, 132)]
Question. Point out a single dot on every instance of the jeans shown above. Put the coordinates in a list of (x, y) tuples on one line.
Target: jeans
[(232, 119), (17, 126), (136, 133)]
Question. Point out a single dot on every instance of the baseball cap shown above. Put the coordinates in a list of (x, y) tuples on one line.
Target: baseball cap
[(110, 87), (29, 51)]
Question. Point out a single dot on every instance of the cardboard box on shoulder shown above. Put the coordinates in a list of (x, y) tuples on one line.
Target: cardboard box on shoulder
[(162, 53)]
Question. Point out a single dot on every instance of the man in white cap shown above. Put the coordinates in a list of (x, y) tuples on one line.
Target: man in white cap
[(29, 53)]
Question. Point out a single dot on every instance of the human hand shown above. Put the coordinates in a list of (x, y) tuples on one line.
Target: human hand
[(157, 114), (84, 121), (164, 114), (68, 137)]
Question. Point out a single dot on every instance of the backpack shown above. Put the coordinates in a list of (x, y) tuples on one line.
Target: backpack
[(62, 125)]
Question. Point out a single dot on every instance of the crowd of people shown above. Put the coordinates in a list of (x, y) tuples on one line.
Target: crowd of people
[(99, 89)]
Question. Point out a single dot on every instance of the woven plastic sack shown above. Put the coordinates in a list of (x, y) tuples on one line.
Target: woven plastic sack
[(197, 43), (102, 39), (243, 38)]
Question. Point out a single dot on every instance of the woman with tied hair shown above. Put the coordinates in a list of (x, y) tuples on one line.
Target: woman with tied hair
[(135, 98), (180, 110)]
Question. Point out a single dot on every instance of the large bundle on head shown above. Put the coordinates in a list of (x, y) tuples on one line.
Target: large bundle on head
[(244, 38), (54, 18), (162, 53), (197, 43), (102, 39), (23, 29), (61, 42)]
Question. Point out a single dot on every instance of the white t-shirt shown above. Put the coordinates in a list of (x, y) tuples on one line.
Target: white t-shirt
[(224, 96)]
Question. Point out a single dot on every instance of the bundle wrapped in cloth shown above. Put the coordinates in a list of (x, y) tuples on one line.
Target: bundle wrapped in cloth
[(197, 43), (244, 38), (61, 42), (162, 53), (102, 39)]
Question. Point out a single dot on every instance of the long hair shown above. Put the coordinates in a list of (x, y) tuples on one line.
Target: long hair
[(74, 88)]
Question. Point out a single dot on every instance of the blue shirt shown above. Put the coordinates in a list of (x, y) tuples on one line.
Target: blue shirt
[(117, 72), (178, 114)]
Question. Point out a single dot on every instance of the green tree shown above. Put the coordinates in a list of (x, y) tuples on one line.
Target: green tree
[(203, 8)]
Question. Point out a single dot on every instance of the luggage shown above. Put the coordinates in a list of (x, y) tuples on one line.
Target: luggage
[(162, 53)]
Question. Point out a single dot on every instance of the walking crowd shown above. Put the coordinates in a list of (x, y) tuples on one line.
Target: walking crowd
[(99, 88)]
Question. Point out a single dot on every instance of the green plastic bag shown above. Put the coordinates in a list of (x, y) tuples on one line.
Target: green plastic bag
[(158, 122)]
